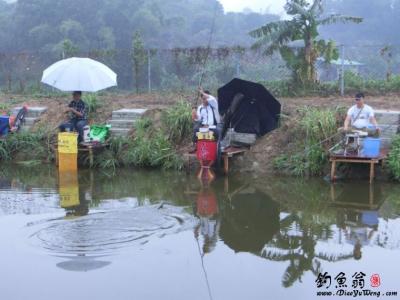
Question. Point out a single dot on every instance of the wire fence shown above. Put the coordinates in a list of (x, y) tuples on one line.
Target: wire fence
[(181, 69)]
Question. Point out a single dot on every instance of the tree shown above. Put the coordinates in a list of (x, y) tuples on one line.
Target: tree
[(139, 57), (66, 48), (306, 18), (387, 54)]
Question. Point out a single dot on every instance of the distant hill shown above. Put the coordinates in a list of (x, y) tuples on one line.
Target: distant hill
[(42, 25), (101, 24)]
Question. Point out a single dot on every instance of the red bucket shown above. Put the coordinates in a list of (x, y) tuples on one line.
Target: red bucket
[(206, 150)]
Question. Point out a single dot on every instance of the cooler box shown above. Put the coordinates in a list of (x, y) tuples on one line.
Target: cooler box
[(4, 125), (371, 147)]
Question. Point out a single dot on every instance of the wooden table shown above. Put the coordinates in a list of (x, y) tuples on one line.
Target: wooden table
[(228, 153), (357, 159)]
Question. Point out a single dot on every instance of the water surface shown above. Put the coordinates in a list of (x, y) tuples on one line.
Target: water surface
[(159, 235)]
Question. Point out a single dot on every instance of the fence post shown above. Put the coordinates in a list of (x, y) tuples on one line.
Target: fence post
[(342, 73), (149, 69)]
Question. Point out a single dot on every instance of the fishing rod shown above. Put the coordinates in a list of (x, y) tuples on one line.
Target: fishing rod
[(212, 30)]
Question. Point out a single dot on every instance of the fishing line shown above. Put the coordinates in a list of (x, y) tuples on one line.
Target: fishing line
[(204, 270)]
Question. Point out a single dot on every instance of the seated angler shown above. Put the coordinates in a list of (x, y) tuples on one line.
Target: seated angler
[(361, 117), (77, 116), (204, 117)]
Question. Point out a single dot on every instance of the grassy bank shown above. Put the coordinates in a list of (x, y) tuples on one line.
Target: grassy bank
[(313, 132), (151, 144)]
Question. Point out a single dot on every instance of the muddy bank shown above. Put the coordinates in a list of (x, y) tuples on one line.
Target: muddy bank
[(258, 160)]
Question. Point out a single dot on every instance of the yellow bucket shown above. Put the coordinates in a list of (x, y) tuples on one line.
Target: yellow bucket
[(68, 143), (69, 189)]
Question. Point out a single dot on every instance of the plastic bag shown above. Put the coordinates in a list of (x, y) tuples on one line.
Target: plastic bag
[(99, 133)]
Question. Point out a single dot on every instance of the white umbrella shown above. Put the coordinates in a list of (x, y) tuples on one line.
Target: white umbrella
[(79, 74)]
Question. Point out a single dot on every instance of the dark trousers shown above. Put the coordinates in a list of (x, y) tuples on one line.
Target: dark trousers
[(74, 125)]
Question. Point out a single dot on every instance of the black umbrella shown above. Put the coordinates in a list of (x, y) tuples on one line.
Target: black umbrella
[(254, 111)]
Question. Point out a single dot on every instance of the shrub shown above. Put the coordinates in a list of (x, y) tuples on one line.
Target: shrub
[(28, 146), (393, 160), (92, 103), (316, 131), (177, 121)]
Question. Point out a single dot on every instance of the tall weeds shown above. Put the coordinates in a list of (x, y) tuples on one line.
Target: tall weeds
[(92, 104), (178, 121), (317, 129), (26, 146), (393, 160)]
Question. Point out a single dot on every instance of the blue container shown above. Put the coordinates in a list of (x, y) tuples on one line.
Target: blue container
[(371, 147), (4, 125)]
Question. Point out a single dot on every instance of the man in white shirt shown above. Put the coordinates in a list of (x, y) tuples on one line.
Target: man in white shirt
[(206, 116), (212, 102), (361, 117)]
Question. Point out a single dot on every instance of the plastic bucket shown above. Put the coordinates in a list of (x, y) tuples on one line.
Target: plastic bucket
[(68, 143), (206, 150), (371, 147), (4, 125)]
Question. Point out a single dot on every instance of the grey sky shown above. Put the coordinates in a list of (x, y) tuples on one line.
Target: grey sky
[(275, 6)]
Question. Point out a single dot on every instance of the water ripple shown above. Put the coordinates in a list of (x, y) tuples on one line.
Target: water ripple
[(102, 233)]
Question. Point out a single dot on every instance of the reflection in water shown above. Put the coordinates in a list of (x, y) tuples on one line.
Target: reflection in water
[(82, 263), (72, 198), (207, 212), (359, 217), (301, 225), (249, 220), (106, 232)]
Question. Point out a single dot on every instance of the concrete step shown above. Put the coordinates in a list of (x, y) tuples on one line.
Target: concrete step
[(387, 116), (124, 124), (25, 128), (119, 131), (33, 111), (128, 114), (30, 121), (388, 121)]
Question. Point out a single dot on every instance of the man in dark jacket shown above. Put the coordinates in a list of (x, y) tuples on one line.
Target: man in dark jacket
[(77, 116)]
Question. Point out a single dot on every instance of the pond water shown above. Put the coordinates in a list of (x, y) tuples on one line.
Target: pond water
[(159, 235)]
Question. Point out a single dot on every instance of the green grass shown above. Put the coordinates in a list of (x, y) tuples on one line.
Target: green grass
[(150, 148), (178, 121), (393, 160), (315, 134), (92, 104), (26, 146)]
